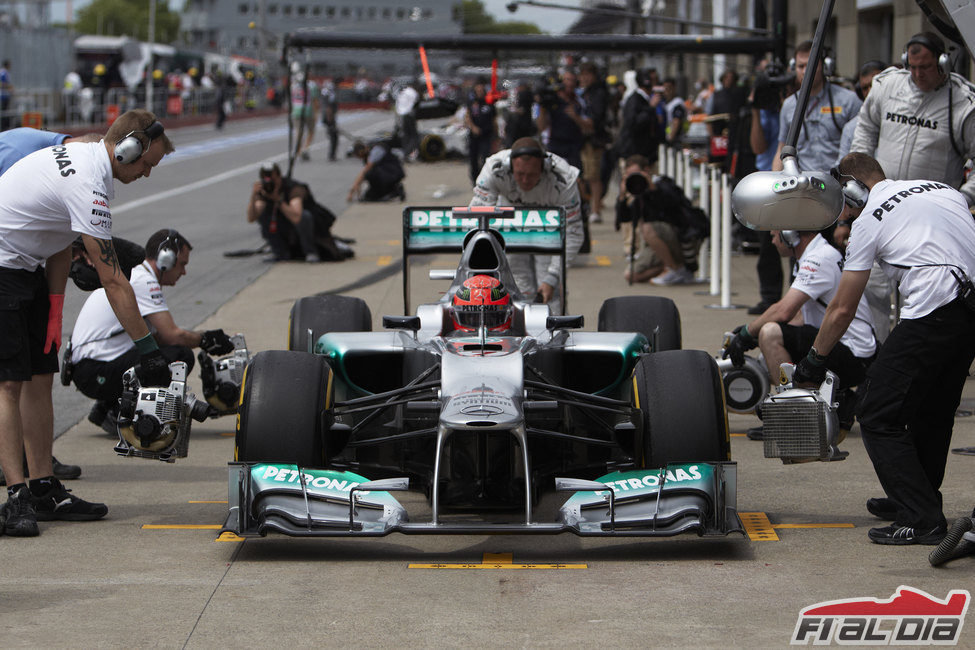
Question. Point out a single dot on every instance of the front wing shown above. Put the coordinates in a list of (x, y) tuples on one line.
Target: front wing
[(681, 498)]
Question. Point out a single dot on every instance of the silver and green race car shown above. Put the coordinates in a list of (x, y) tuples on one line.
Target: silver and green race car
[(485, 426)]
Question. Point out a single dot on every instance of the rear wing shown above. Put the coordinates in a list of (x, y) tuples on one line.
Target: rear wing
[(444, 230)]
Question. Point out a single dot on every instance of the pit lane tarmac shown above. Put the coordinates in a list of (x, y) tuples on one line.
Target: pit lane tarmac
[(117, 583)]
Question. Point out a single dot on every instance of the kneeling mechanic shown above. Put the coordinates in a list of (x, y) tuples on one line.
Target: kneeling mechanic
[(101, 352)]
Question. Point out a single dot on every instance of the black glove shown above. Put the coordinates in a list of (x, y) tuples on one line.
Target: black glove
[(153, 369), (810, 371), (740, 342), (215, 342)]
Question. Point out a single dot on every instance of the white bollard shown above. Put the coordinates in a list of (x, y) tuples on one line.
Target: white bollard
[(661, 160), (702, 202), (725, 243), (678, 168), (688, 179), (715, 239)]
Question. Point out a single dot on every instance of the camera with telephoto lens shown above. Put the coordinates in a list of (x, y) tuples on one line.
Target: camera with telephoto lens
[(548, 98), (154, 422), (267, 185), (770, 86), (636, 184), (222, 377)]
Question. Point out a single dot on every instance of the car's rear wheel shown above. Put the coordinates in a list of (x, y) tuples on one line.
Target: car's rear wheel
[(313, 316), (684, 420), (284, 409), (432, 148), (643, 314)]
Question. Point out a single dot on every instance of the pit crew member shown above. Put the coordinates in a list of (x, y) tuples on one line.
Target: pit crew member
[(382, 169), (525, 176), (101, 352), (921, 232), (917, 121), (830, 108), (817, 275), (46, 200)]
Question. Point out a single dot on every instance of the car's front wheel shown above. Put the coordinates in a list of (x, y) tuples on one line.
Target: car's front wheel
[(653, 316), (284, 410), (313, 316), (680, 395)]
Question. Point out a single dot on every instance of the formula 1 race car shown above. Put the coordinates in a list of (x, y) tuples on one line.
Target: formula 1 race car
[(485, 404)]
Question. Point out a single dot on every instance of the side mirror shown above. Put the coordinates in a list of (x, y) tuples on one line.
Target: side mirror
[(411, 323), (563, 322)]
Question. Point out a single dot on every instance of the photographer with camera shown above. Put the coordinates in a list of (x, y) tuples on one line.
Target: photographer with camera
[(101, 352), (656, 216), (292, 223), (564, 117)]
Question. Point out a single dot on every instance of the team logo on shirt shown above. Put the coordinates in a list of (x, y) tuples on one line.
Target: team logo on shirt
[(61, 158), (912, 120), (835, 110), (100, 202)]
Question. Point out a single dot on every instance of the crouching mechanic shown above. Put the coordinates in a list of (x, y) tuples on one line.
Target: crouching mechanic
[(921, 233), (101, 352), (527, 176), (47, 199), (817, 274)]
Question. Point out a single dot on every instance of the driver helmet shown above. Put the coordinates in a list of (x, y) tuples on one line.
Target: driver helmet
[(481, 296)]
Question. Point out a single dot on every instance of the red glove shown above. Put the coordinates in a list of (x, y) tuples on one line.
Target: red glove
[(54, 319)]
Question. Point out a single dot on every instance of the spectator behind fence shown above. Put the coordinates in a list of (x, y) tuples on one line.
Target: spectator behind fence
[(676, 113), (723, 124), (596, 100), (917, 122)]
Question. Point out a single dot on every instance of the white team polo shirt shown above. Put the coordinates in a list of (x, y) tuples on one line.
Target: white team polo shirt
[(98, 334), (50, 197), (906, 225), (818, 276)]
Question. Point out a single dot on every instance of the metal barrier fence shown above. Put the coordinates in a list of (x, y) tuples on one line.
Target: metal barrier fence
[(45, 108)]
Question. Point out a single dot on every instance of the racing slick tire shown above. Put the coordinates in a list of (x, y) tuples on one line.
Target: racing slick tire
[(432, 148), (681, 396), (323, 314), (643, 314), (285, 409)]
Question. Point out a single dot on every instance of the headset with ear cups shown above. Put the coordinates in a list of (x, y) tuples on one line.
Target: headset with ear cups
[(130, 148), (168, 251), (855, 193), (944, 62), (530, 150), (790, 238)]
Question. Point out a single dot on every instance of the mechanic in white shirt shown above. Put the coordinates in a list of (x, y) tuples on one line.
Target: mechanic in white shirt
[(921, 232), (406, 101), (528, 176), (101, 351), (46, 200), (817, 276)]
